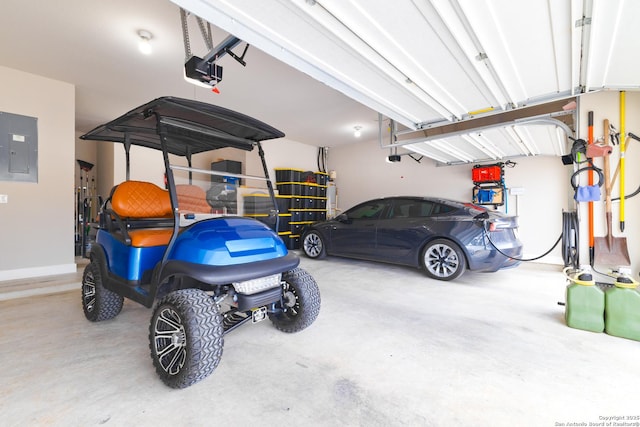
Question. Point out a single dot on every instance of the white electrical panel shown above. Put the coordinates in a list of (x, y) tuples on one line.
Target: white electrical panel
[(18, 148)]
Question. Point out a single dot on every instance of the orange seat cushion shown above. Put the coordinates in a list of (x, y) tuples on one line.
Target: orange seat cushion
[(146, 237), (143, 200), (139, 199)]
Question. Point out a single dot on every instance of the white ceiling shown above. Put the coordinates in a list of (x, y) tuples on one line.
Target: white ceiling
[(423, 63), (93, 45)]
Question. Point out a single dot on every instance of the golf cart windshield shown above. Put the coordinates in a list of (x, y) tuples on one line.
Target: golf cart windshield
[(189, 130), (204, 194)]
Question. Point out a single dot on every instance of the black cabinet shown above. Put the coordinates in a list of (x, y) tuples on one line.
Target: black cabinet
[(302, 200), (231, 166)]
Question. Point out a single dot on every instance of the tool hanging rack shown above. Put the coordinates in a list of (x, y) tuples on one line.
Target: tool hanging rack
[(88, 203), (489, 187)]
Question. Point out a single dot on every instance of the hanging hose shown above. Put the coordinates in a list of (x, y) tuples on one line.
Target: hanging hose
[(322, 159), (628, 196), (522, 259), (569, 237)]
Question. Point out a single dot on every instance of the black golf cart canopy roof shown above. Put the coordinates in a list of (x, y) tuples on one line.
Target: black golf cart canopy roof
[(189, 127)]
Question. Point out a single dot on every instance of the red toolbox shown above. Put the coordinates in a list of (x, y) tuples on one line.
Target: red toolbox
[(488, 173)]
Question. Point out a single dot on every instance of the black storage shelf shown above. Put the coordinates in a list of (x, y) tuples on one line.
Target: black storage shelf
[(293, 242), (288, 175), (302, 199), (289, 188), (297, 227), (257, 203), (322, 178)]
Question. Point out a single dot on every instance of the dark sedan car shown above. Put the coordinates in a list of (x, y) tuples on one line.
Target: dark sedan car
[(443, 237)]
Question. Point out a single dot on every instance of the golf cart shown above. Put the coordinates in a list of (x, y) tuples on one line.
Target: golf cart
[(186, 250)]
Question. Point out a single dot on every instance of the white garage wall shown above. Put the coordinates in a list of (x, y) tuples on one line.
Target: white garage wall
[(88, 152), (37, 225), (284, 153)]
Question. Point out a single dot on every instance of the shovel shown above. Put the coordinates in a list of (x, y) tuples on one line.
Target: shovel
[(610, 250)]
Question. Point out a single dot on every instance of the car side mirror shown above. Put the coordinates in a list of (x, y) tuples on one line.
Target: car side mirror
[(342, 218)]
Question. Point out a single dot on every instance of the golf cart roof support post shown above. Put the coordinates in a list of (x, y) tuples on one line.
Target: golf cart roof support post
[(127, 148), (190, 165), (172, 187), (269, 184)]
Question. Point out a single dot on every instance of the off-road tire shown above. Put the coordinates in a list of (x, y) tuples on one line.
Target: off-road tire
[(185, 337), (442, 259), (98, 303), (313, 245), (300, 304)]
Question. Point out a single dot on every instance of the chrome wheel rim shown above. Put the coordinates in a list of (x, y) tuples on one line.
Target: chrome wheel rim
[(290, 300), (170, 341), (441, 260), (313, 245), (89, 292)]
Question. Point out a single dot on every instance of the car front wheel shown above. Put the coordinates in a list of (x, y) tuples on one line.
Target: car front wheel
[(185, 337), (443, 260), (313, 245)]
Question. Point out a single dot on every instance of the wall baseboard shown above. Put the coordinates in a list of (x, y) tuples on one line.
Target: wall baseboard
[(549, 259), (49, 270)]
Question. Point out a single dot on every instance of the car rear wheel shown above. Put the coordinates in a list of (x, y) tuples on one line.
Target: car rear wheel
[(98, 303), (185, 337), (313, 245), (300, 303), (443, 260)]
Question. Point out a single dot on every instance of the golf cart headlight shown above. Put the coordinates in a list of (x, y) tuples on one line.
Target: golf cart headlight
[(256, 285)]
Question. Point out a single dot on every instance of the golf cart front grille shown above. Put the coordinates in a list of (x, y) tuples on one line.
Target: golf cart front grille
[(256, 285)]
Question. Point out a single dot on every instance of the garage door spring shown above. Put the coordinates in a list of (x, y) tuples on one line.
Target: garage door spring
[(569, 237)]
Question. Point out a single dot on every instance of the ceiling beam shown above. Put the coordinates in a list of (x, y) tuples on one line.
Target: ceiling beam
[(553, 110)]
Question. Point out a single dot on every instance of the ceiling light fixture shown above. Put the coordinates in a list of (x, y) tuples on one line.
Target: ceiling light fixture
[(144, 45), (357, 131)]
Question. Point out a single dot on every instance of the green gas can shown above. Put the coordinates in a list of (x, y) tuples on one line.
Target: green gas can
[(585, 304), (622, 309)]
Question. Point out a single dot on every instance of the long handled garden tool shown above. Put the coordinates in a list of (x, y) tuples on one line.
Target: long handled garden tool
[(623, 148), (591, 242), (610, 250)]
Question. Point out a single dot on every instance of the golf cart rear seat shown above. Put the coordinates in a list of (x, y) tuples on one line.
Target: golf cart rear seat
[(142, 214), (192, 199)]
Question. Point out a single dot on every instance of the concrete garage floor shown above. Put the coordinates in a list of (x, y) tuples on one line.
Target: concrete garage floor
[(391, 347)]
